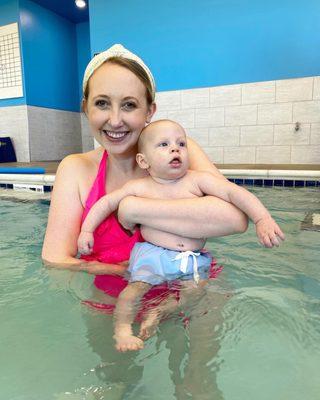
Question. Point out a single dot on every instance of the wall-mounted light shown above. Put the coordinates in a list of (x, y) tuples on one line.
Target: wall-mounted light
[(80, 3)]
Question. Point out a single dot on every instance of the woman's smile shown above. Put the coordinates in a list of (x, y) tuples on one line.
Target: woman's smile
[(115, 135)]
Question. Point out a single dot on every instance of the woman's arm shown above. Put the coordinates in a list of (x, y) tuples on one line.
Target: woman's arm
[(199, 161), (60, 242), (195, 218)]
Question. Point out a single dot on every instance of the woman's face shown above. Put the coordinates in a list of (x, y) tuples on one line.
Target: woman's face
[(117, 108)]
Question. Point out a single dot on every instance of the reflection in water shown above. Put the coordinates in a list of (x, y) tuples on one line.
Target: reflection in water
[(188, 342)]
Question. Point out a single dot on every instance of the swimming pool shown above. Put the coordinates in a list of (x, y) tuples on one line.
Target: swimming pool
[(263, 342)]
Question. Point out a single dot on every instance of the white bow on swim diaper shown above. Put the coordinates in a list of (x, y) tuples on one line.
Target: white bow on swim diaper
[(184, 257)]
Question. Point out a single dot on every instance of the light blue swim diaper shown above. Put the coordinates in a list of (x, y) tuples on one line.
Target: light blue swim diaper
[(155, 265)]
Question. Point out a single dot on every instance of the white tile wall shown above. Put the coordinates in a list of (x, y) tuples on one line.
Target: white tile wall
[(286, 134), (256, 135), (316, 88), (247, 123), (86, 136), (251, 122), (294, 90), (208, 117), (275, 113), (53, 134), (267, 154), (239, 155), (259, 93), (315, 134), (241, 115), (306, 111), (14, 123), (195, 98), (224, 136), (225, 96)]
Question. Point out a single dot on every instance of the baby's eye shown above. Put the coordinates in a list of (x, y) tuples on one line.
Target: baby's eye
[(163, 144), (129, 105), (182, 144)]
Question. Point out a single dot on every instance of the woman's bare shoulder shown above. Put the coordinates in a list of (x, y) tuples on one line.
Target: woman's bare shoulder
[(81, 163)]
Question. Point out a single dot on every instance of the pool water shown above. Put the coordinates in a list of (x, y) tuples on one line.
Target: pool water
[(254, 336)]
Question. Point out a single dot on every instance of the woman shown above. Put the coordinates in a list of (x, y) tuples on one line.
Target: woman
[(118, 100)]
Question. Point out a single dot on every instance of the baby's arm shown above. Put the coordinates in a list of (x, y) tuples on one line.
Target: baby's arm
[(268, 231), (99, 212)]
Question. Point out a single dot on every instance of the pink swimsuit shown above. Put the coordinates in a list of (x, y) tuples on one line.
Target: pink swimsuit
[(113, 245)]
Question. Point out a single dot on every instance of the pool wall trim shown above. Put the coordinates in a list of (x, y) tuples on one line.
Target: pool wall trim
[(246, 174)]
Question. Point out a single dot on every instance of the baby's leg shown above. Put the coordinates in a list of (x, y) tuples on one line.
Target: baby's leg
[(153, 317), (191, 292), (124, 314)]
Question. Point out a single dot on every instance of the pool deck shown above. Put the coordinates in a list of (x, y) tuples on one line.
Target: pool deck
[(245, 171)]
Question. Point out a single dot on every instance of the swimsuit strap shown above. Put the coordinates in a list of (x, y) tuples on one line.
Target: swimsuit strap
[(98, 188)]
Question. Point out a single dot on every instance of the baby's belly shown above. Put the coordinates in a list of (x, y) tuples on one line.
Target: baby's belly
[(170, 241)]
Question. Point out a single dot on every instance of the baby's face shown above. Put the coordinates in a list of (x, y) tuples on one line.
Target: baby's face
[(165, 150)]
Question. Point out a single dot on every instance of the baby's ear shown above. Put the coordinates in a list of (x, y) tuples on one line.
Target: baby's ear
[(141, 160)]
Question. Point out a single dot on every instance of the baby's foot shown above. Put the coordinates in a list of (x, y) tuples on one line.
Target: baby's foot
[(128, 343), (149, 325)]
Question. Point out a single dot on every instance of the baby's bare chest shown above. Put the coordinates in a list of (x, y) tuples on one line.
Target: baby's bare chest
[(180, 190)]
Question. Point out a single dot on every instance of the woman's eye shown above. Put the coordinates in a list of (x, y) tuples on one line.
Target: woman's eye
[(101, 103), (129, 105)]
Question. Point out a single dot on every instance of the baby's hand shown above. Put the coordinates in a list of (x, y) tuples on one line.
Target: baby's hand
[(269, 232), (85, 242)]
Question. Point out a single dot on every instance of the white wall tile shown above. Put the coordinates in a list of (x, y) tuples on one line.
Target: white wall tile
[(53, 134), (14, 124), (316, 88), (274, 113), (208, 117), (183, 117), (256, 135), (86, 136), (287, 135), (224, 136), (294, 90), (305, 154), (225, 95), (195, 98), (259, 93), (215, 154), (160, 115), (315, 134), (170, 100), (306, 111), (273, 155), (239, 155), (200, 135), (241, 115)]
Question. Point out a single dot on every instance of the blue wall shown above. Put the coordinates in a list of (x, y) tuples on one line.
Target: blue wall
[(203, 43), (83, 50), (50, 58), (9, 13)]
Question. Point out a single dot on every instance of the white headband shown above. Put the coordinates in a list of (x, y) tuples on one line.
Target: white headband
[(117, 50)]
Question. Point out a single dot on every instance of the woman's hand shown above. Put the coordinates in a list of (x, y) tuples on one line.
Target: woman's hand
[(98, 268)]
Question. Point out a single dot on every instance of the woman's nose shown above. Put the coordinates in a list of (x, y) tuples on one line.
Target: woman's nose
[(114, 118)]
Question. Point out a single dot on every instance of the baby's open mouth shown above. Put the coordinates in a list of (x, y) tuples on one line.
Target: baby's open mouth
[(176, 161)]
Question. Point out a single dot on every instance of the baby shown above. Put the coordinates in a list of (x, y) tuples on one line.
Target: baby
[(162, 151)]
